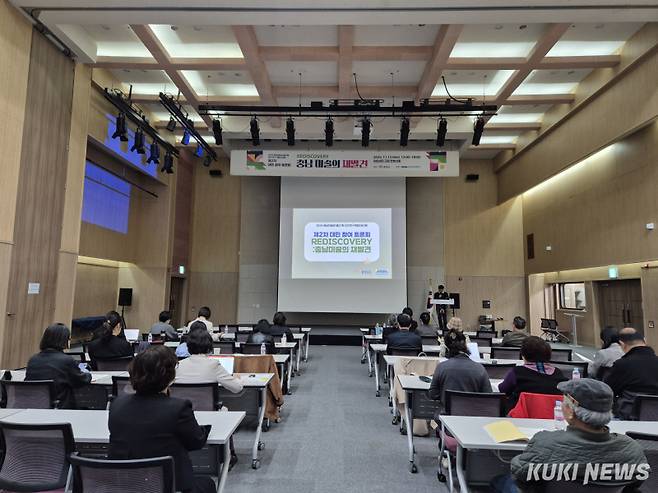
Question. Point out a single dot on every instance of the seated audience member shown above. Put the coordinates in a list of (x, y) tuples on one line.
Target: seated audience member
[(164, 327), (203, 315), (149, 423), (518, 334), (279, 327), (425, 328), (390, 327), (634, 373), (404, 338), (182, 350), (414, 325), (53, 364), (459, 372), (260, 335), (587, 409), (455, 323), (536, 375), (606, 356), (109, 342)]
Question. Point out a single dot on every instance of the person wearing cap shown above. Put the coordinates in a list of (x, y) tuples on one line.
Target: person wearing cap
[(587, 409), (536, 375), (404, 338), (634, 373), (518, 334), (454, 324)]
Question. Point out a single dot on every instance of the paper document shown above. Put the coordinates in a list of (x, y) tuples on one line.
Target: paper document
[(505, 431)]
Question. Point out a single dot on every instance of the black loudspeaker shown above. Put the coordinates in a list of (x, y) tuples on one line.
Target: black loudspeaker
[(125, 296), (472, 177), (215, 173), (455, 296)]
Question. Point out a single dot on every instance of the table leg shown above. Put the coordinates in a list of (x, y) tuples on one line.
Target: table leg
[(308, 344), (377, 393), (288, 375), (299, 353), (369, 359), (223, 468), (408, 411), (463, 487), (364, 348), (258, 445)]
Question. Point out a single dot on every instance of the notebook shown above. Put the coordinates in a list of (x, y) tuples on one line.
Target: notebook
[(505, 431), (131, 334), (226, 361)]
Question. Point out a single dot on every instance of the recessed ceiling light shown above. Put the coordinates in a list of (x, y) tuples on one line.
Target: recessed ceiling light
[(498, 27), (454, 73), (126, 70), (174, 28), (421, 25), (523, 26)]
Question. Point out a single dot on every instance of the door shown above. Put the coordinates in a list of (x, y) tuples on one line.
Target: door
[(620, 304), (176, 301)]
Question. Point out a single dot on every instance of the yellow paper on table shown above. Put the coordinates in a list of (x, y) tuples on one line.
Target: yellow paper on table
[(505, 431)]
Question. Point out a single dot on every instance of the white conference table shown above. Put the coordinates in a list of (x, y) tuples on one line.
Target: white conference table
[(470, 434), (97, 377), (381, 348), (91, 427)]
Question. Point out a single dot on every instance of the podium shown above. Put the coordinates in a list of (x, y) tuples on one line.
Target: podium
[(450, 302)]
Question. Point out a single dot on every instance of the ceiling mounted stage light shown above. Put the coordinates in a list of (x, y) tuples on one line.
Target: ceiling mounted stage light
[(186, 138), (255, 131), (139, 143), (199, 150), (365, 132), (171, 126), (441, 131), (404, 132), (329, 132), (290, 131), (121, 130), (217, 132), (154, 153), (478, 129), (207, 160), (168, 164)]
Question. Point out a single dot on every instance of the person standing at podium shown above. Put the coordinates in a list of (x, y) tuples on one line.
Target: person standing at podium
[(442, 310)]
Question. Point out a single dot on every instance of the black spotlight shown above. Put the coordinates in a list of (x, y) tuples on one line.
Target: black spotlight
[(329, 132), (154, 153), (186, 138), (207, 160), (404, 132), (168, 164), (255, 131), (121, 130), (217, 132), (290, 131), (478, 128), (171, 126), (365, 132), (138, 145), (441, 131)]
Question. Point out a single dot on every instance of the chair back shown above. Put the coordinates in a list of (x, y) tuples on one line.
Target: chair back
[(393, 351), (245, 400), (254, 348), (29, 394), (486, 334), (114, 364), (590, 487), (560, 354), (225, 347), (78, 356), (204, 396), (242, 337), (481, 341), (646, 408), (566, 367), (430, 340), (649, 444), (121, 385), (90, 396), (127, 476), (460, 403), (603, 372), (36, 457), (535, 406), (498, 371), (500, 352)]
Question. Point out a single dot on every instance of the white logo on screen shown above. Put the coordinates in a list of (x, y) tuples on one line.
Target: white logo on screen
[(341, 242)]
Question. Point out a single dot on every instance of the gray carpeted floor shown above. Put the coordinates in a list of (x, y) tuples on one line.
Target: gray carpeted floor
[(335, 436)]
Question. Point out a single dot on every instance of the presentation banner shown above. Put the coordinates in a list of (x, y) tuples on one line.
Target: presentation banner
[(344, 163)]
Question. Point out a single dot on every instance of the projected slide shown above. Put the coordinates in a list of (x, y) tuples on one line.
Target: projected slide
[(341, 244)]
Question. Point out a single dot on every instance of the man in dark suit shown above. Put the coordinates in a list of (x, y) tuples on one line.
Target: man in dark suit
[(150, 424), (403, 338), (441, 310)]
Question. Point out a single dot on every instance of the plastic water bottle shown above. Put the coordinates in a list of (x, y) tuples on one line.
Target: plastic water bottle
[(575, 374), (378, 329), (284, 338), (558, 416), (225, 329), (150, 338), (262, 349)]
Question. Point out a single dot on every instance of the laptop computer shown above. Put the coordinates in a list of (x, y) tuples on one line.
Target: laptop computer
[(132, 335), (226, 361)]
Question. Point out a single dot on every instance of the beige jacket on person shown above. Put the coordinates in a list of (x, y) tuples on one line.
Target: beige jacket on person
[(200, 368), (406, 366)]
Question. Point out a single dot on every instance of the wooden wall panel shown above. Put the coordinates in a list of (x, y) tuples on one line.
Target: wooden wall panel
[(96, 289), (183, 214), (40, 202)]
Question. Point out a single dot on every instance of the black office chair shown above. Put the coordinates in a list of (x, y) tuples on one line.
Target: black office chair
[(649, 444), (393, 351), (114, 364), (254, 348), (127, 476), (501, 352), (560, 354), (646, 408), (31, 394), (241, 337), (225, 347), (91, 396), (35, 457), (121, 385), (498, 371), (567, 367), (203, 396), (482, 341)]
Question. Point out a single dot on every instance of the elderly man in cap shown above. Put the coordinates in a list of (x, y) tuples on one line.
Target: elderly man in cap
[(587, 408)]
